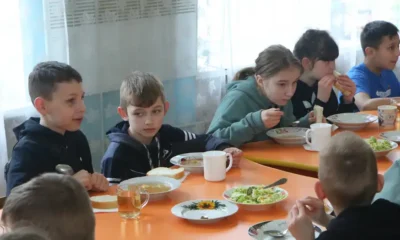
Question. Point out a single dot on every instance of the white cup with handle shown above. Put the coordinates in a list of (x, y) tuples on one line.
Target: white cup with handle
[(320, 135), (214, 163)]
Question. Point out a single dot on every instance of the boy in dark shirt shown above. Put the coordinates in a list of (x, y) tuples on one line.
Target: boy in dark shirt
[(54, 138), (317, 52), (349, 179), (142, 142)]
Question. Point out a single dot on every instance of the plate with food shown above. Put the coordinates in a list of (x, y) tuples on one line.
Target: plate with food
[(260, 198), (352, 121), (157, 186), (277, 229), (288, 135), (391, 136), (204, 211), (381, 147), (191, 162)]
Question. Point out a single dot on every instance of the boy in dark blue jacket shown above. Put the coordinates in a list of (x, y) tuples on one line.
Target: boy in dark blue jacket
[(56, 92), (142, 142)]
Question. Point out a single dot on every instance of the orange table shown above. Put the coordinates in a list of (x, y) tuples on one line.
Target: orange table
[(270, 153), (157, 221)]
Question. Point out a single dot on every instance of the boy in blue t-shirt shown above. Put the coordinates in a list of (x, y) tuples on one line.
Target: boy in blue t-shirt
[(375, 81)]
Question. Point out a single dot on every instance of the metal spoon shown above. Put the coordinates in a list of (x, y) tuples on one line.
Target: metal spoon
[(277, 233), (279, 182), (64, 169)]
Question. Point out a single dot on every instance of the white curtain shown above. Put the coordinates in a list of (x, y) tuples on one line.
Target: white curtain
[(232, 32)]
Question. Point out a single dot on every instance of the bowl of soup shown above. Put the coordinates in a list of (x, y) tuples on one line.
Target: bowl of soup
[(157, 186)]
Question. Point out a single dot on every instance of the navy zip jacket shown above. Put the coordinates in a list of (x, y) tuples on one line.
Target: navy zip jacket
[(39, 150), (128, 158)]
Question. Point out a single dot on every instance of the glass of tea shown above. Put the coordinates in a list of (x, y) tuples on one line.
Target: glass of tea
[(131, 200)]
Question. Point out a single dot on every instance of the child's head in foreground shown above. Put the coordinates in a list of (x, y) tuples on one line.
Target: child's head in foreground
[(348, 173), (57, 204), (143, 104), (380, 44), (25, 233), (317, 52), (56, 92)]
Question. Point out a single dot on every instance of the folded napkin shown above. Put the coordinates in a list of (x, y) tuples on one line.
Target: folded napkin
[(391, 188), (96, 210)]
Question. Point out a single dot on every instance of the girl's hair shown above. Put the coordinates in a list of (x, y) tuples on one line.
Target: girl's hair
[(244, 73), (316, 45), (271, 61)]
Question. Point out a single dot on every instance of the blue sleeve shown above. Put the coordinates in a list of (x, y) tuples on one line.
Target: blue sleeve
[(361, 81), (114, 166), (184, 142), (21, 168)]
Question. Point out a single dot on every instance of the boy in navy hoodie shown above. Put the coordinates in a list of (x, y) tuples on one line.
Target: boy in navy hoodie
[(54, 138), (142, 142)]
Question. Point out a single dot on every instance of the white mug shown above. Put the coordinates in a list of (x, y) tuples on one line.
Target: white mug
[(214, 163), (321, 134), (387, 115)]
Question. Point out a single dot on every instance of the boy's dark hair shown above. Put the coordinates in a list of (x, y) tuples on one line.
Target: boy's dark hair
[(45, 75), (141, 89), (374, 32), (244, 73), (25, 233), (348, 171), (274, 59), (57, 204), (316, 45)]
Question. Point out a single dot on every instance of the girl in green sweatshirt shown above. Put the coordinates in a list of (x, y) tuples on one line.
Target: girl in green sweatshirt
[(250, 108)]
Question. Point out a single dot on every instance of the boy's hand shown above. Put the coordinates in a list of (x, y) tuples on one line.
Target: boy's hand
[(99, 182), (316, 211), (236, 155), (84, 178), (299, 224), (271, 117), (325, 88), (347, 85)]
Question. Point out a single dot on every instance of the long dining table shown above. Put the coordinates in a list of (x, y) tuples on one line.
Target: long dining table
[(157, 222), (297, 158)]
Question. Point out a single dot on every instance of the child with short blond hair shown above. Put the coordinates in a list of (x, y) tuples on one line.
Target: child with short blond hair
[(349, 179), (141, 141)]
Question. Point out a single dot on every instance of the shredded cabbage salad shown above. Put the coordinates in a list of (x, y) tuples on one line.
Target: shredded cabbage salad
[(379, 145), (260, 195)]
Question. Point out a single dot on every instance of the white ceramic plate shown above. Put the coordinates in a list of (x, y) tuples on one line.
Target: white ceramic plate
[(251, 206), (258, 231), (288, 135), (352, 121), (383, 153), (391, 136), (171, 182), (205, 210), (197, 168)]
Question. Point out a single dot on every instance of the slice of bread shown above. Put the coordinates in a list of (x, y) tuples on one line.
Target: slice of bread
[(104, 202), (318, 113), (176, 173), (338, 86)]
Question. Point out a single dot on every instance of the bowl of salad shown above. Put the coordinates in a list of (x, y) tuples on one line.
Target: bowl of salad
[(260, 198), (381, 147)]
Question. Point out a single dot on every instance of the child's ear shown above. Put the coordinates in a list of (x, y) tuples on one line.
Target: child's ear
[(122, 112), (40, 105), (306, 63), (319, 191), (381, 182), (259, 81), (166, 107), (369, 51)]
